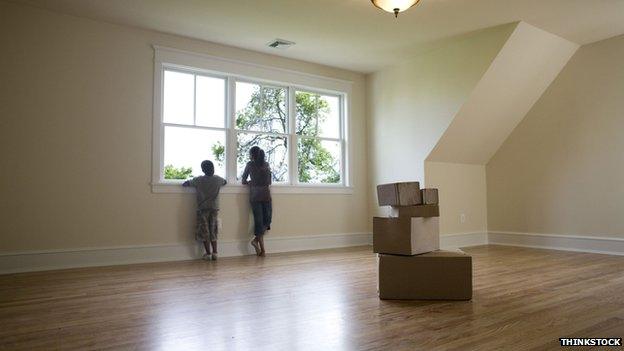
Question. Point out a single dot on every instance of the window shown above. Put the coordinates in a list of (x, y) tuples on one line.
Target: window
[(207, 109), (194, 123), (319, 146), (262, 120)]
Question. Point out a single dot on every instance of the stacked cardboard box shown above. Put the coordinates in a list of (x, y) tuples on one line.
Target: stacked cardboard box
[(411, 264)]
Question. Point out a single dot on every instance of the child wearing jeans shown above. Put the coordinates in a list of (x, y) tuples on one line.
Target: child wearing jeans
[(259, 172), (208, 187)]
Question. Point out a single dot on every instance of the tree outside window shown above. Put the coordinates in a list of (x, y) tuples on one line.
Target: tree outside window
[(265, 116), (194, 128)]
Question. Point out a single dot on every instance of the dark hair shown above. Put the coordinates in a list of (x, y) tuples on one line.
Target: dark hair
[(257, 155), (207, 167)]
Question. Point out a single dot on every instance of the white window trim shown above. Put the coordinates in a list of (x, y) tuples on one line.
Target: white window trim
[(233, 70)]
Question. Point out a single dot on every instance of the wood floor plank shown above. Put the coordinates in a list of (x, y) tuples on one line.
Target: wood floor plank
[(317, 300)]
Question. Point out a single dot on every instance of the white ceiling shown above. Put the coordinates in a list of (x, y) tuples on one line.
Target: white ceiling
[(350, 34)]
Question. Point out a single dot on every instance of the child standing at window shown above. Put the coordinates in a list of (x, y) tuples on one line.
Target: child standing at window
[(208, 187), (259, 196)]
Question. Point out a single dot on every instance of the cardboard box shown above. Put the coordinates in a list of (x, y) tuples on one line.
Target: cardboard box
[(405, 235), (429, 196), (399, 194), (415, 211), (437, 275)]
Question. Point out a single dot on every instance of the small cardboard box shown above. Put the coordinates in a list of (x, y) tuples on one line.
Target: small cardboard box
[(405, 235), (415, 211), (399, 194), (437, 275), (429, 196)]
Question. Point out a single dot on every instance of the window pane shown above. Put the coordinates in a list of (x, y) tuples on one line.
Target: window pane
[(178, 98), (186, 148), (276, 153), (319, 161), (210, 102), (318, 115), (261, 109)]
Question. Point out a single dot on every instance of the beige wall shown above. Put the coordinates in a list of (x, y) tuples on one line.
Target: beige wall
[(561, 169), (76, 124), (462, 191), (410, 105)]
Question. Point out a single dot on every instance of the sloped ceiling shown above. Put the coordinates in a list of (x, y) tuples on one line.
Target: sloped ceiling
[(526, 65), (350, 34), (411, 105)]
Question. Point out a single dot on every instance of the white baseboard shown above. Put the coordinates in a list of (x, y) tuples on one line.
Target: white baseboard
[(602, 245), (28, 261), (457, 240)]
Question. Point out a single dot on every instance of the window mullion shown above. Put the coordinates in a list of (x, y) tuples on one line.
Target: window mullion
[(342, 134), (246, 131), (231, 149), (292, 140), (194, 100), (190, 126), (320, 138)]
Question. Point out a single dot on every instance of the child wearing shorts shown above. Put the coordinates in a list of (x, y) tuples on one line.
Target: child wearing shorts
[(208, 187)]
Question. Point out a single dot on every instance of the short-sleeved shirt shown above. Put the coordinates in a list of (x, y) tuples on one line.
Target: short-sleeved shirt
[(260, 181), (208, 188)]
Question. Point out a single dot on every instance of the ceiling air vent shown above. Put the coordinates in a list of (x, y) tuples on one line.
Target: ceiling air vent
[(280, 44)]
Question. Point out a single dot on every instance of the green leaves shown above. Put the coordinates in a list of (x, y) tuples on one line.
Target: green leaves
[(311, 111), (218, 151), (266, 113), (177, 173), (265, 110), (316, 163)]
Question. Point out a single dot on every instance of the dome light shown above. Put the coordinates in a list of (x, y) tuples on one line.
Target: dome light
[(394, 6)]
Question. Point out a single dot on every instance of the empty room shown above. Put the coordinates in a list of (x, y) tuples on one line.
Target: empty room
[(311, 174)]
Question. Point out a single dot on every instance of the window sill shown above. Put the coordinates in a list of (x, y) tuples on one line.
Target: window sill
[(177, 188)]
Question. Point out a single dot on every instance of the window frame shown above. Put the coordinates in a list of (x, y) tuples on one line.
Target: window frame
[(233, 71), (341, 135), (164, 124)]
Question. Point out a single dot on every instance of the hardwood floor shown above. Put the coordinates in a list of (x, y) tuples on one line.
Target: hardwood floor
[(319, 300)]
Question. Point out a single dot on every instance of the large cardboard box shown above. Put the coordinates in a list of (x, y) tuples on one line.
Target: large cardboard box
[(399, 194), (429, 196), (437, 275), (415, 211), (405, 235)]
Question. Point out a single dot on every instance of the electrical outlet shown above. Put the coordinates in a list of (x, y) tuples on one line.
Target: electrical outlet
[(462, 218)]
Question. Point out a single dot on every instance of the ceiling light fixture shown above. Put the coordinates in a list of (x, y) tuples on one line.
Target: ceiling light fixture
[(394, 6)]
